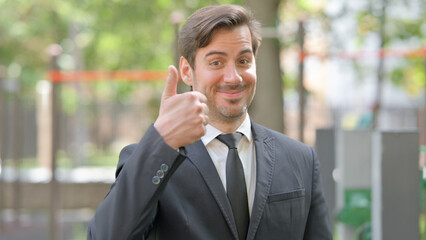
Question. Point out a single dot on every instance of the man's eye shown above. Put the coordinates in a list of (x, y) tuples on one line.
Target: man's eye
[(215, 63), (244, 61)]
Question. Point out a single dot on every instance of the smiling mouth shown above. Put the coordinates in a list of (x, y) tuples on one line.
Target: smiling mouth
[(231, 94), (232, 90)]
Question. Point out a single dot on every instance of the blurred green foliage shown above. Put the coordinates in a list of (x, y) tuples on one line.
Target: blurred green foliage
[(410, 74), (130, 34), (403, 32), (111, 35)]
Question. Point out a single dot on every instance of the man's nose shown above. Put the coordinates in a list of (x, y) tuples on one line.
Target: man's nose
[(232, 74)]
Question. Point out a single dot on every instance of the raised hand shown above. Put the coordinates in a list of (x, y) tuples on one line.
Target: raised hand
[(183, 117)]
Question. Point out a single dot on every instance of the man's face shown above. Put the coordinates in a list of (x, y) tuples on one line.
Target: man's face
[(225, 72)]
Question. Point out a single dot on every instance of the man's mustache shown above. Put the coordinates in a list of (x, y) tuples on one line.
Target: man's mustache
[(233, 87)]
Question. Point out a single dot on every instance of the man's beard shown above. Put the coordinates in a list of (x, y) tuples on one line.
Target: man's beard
[(228, 113)]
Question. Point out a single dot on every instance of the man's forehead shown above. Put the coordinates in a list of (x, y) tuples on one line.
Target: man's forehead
[(242, 30), (241, 39)]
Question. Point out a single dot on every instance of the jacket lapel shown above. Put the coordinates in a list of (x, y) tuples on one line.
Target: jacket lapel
[(198, 155), (265, 160)]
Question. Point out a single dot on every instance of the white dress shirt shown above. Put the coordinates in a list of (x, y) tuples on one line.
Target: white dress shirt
[(218, 152)]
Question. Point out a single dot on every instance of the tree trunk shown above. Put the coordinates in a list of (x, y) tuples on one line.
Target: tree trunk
[(268, 107)]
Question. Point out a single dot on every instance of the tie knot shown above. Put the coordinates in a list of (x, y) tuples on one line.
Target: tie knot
[(231, 139)]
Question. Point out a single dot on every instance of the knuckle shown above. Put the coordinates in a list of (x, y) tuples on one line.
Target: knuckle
[(198, 108), (199, 120), (187, 97), (203, 98), (205, 108), (192, 96)]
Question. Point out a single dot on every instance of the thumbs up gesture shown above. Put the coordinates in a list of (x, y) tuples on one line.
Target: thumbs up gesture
[(183, 117)]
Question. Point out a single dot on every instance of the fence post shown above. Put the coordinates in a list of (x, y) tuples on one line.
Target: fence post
[(325, 148), (395, 185)]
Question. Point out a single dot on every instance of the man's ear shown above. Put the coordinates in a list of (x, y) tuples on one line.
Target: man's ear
[(185, 71)]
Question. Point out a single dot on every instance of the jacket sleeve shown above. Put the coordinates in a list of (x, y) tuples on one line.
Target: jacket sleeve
[(318, 226), (128, 210)]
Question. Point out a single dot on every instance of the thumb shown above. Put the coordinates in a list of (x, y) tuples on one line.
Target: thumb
[(171, 83)]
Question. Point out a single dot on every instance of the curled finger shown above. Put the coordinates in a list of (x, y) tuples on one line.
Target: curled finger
[(202, 98), (205, 120)]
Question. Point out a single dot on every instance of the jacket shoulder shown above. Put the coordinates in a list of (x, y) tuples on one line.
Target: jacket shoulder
[(282, 140)]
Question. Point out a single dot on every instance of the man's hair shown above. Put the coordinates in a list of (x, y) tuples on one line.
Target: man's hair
[(200, 27)]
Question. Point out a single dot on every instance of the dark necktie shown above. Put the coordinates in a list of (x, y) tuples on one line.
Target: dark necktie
[(236, 184)]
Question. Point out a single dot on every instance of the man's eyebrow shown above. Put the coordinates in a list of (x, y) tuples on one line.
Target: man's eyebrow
[(248, 50), (215, 53)]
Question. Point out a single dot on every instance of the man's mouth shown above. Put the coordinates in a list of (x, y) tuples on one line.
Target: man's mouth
[(231, 94), (227, 87), (232, 91)]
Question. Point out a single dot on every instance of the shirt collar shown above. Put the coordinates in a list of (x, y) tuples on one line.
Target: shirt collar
[(212, 132)]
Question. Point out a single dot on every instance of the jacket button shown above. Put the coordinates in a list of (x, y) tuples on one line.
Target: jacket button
[(164, 167), (160, 173), (156, 180)]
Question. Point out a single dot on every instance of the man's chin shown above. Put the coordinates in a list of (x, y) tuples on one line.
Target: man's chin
[(232, 114)]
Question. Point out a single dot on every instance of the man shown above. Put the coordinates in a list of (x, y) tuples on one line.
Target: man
[(179, 183)]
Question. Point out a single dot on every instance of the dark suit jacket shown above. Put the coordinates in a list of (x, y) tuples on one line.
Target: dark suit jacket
[(190, 201)]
